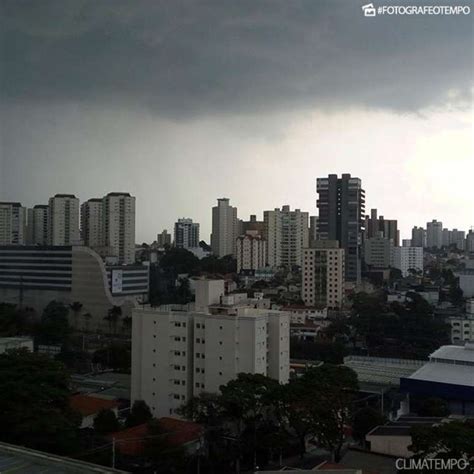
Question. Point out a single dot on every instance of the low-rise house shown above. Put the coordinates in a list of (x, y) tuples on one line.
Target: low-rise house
[(89, 407)]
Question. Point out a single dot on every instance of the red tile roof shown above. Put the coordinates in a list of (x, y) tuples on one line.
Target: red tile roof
[(87, 405), (131, 441)]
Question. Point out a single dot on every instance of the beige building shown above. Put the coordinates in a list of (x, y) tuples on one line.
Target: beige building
[(12, 223), (63, 220), (178, 352), (92, 223), (119, 225), (251, 251), (225, 228), (323, 275), (287, 234)]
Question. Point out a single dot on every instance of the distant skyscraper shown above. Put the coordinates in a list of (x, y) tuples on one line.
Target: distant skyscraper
[(253, 225), (286, 233), (313, 230), (119, 225), (12, 223), (418, 237), (378, 251), (186, 234), (63, 220), (163, 239), (341, 205), (92, 223), (387, 227), (407, 258), (225, 228), (251, 251), (38, 225), (434, 234), (323, 275), (470, 241), (458, 238)]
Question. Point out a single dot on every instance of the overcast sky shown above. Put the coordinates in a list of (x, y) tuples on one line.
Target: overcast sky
[(182, 102)]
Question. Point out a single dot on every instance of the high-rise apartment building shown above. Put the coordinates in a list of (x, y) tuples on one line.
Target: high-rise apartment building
[(287, 234), (378, 251), (12, 223), (251, 251), (458, 239), (418, 237), (92, 223), (341, 205), (434, 234), (407, 258), (313, 230), (38, 225), (469, 245), (63, 220), (225, 228), (119, 225), (323, 275), (163, 239), (178, 353), (186, 234), (379, 226), (253, 225)]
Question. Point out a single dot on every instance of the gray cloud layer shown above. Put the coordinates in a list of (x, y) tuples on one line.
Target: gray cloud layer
[(185, 58)]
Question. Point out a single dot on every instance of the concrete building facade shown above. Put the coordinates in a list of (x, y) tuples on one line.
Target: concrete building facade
[(323, 275), (287, 234), (341, 206), (406, 258), (38, 218), (378, 251), (12, 223), (434, 234), (418, 237), (119, 225), (178, 353), (63, 223), (186, 234), (225, 228), (92, 223), (251, 251)]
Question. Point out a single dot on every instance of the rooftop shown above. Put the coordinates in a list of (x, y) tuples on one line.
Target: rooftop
[(87, 405), (455, 353), (445, 374), (21, 460)]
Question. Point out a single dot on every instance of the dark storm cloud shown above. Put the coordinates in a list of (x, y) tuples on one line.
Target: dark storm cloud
[(182, 58)]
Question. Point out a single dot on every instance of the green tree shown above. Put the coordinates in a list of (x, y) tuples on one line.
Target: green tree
[(165, 457), (54, 326), (140, 413), (453, 440), (113, 316), (365, 420), (76, 308), (115, 356), (332, 389), (106, 422), (87, 319), (34, 403)]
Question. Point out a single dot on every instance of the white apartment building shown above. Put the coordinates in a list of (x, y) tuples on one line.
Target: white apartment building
[(119, 225), (287, 234), (225, 227), (12, 223), (178, 352), (323, 273), (406, 258), (186, 234), (63, 223), (38, 225), (92, 223), (462, 327), (251, 251), (434, 234)]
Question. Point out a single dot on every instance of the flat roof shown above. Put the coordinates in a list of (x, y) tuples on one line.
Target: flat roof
[(21, 460), (385, 430), (445, 373), (461, 353)]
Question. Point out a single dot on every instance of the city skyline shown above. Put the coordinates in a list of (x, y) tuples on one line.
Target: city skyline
[(240, 100)]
